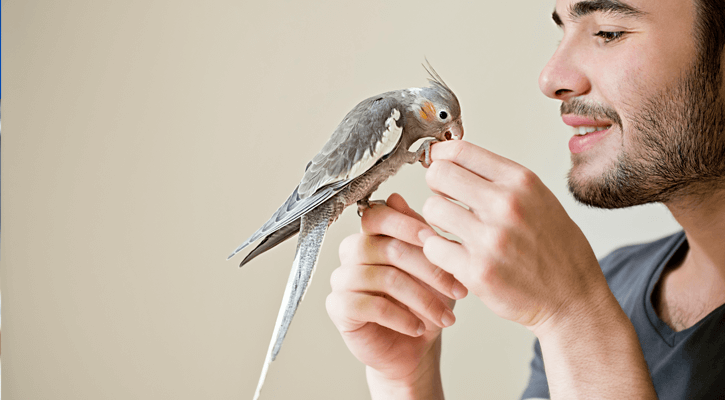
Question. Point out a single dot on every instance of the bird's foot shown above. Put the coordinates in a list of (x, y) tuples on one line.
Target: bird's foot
[(423, 153), (364, 204)]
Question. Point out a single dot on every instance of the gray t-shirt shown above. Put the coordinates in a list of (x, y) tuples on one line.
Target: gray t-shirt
[(689, 364)]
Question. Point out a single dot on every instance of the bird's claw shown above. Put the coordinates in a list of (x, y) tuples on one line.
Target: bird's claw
[(363, 205), (423, 153)]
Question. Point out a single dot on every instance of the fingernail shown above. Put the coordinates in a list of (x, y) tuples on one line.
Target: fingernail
[(459, 291), (425, 234), (421, 329), (448, 318)]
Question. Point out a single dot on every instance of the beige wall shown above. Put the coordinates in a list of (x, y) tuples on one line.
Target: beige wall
[(144, 140)]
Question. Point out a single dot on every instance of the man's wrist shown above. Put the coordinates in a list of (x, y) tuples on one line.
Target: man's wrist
[(594, 351), (422, 384)]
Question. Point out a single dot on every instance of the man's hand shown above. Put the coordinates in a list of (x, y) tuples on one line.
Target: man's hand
[(523, 256), (390, 303), (519, 252)]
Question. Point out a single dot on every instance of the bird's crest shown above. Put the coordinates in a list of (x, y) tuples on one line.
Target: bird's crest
[(436, 79)]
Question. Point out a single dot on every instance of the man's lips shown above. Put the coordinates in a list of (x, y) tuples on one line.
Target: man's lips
[(581, 143), (577, 121), (587, 132)]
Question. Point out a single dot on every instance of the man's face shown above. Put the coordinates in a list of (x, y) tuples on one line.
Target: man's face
[(648, 114)]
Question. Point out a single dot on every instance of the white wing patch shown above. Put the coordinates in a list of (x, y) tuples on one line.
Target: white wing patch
[(387, 143)]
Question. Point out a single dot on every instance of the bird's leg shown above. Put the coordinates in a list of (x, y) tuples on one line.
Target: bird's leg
[(365, 203), (423, 153)]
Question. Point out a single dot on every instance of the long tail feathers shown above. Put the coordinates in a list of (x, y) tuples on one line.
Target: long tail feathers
[(313, 228), (273, 240)]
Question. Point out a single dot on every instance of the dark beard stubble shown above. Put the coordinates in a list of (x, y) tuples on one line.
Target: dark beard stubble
[(678, 145)]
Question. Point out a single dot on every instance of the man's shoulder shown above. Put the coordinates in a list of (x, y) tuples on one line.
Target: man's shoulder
[(641, 253)]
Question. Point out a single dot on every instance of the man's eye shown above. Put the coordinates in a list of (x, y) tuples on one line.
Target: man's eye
[(609, 36)]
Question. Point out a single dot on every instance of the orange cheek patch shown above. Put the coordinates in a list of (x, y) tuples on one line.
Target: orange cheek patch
[(427, 111)]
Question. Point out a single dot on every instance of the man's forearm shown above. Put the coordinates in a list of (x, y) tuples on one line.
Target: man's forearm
[(595, 356)]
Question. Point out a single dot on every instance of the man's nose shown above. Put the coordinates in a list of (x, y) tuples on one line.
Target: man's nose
[(563, 77)]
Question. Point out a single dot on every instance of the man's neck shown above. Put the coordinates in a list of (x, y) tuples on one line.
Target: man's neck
[(695, 285), (703, 220)]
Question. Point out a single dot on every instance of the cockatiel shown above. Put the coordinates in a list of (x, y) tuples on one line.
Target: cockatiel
[(368, 146)]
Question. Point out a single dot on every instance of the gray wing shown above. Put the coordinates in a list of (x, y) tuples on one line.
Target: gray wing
[(368, 132), (273, 239), (314, 227), (287, 214)]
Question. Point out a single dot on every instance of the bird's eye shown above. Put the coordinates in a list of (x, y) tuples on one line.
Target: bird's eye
[(443, 115)]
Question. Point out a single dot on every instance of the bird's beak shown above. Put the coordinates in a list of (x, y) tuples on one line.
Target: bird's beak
[(455, 131)]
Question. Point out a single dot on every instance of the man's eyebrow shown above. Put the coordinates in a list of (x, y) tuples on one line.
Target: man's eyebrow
[(583, 8)]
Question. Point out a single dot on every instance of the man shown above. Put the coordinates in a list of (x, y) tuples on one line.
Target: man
[(641, 82)]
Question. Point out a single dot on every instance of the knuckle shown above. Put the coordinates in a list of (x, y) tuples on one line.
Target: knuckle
[(439, 275), (367, 273), (438, 172), (368, 276), (349, 278), (395, 251), (329, 303), (337, 278), (348, 248), (334, 304), (432, 305), (382, 307), (500, 242), (525, 178), (398, 228), (458, 149), (443, 278), (432, 205), (493, 247), (428, 207), (433, 172), (512, 207), (487, 274), (390, 277)]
